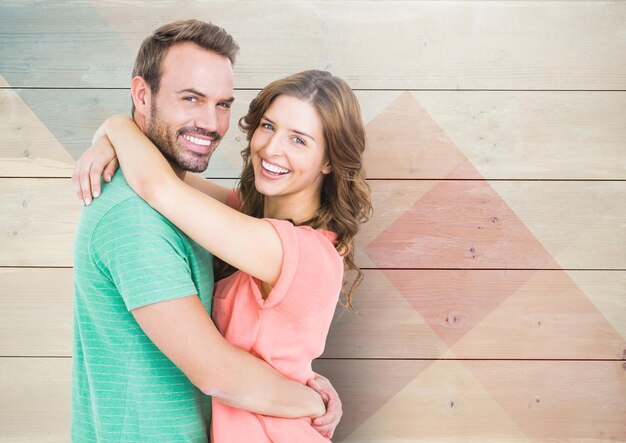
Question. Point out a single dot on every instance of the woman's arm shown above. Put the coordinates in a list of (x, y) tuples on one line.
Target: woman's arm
[(249, 244), (99, 162), (218, 192)]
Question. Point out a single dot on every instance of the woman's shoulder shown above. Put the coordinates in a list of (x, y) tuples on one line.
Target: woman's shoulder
[(327, 240), (307, 254), (305, 236)]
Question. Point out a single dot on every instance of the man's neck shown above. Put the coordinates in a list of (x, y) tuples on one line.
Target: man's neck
[(178, 171), (140, 121)]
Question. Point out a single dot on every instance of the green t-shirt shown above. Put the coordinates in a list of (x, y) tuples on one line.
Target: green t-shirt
[(126, 255)]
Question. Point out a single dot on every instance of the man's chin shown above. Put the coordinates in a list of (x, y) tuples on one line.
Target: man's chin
[(198, 169), (194, 166), (187, 161)]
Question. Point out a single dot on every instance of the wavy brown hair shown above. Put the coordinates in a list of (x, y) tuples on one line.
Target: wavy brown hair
[(345, 195)]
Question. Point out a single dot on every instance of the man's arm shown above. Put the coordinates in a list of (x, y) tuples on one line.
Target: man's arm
[(327, 423), (184, 332)]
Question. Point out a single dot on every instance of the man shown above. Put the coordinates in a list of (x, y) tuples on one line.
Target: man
[(146, 353)]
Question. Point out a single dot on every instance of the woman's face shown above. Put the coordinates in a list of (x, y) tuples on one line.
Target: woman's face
[(288, 152)]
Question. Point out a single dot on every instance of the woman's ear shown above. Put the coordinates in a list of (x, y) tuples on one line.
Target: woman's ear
[(327, 168), (140, 93)]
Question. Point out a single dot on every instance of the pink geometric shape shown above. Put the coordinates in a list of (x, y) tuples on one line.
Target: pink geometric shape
[(453, 302), (459, 224), (405, 127)]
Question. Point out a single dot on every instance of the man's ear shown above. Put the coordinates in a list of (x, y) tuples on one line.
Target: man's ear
[(141, 95)]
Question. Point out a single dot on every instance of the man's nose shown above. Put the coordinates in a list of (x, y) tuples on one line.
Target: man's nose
[(207, 120)]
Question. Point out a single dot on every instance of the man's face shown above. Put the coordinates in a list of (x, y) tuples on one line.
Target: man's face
[(191, 111)]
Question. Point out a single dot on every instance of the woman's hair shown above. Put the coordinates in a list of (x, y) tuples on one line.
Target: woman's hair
[(345, 195)]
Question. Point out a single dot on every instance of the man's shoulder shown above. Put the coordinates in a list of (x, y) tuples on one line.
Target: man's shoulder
[(117, 192), (119, 207), (131, 230)]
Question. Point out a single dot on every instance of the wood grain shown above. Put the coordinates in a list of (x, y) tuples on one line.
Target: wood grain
[(405, 45), (533, 401), (502, 225), (481, 314), (417, 224), (467, 327), (35, 400), (399, 314), (36, 312), (418, 135), (42, 222), (44, 213), (392, 401)]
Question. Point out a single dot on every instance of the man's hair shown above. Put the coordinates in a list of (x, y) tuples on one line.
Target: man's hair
[(154, 48)]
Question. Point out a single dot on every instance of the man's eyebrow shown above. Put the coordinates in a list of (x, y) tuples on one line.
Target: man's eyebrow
[(294, 130), (196, 92), (191, 91)]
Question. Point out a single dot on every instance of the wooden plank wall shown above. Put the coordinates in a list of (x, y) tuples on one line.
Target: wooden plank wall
[(494, 304)]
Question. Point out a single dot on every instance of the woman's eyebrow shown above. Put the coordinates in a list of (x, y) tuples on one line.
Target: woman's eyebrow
[(304, 134), (292, 130)]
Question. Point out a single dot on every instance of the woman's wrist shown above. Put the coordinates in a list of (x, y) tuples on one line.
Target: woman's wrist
[(115, 121)]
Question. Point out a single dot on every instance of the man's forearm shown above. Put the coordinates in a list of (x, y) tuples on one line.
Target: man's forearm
[(250, 383), (184, 332)]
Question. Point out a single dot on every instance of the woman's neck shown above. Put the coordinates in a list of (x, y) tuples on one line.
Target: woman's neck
[(294, 207)]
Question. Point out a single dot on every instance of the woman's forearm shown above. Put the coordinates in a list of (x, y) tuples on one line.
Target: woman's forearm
[(218, 192), (144, 167)]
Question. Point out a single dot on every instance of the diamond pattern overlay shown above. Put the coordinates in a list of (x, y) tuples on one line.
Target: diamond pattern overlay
[(458, 274)]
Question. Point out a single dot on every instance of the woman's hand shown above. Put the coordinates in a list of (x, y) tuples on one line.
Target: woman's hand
[(99, 161)]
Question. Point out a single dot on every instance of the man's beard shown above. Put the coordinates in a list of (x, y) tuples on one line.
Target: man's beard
[(166, 139)]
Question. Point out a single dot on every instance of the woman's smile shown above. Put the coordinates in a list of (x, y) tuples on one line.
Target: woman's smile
[(273, 170)]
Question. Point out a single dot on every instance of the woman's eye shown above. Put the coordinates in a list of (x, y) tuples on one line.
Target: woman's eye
[(299, 141), (267, 126)]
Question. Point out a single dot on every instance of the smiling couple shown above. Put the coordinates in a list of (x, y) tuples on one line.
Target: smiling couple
[(161, 353)]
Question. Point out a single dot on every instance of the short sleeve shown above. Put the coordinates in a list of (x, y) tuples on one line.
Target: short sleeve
[(233, 200), (143, 254), (311, 264)]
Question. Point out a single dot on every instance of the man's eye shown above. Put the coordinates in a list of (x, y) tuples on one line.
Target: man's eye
[(226, 105), (191, 99)]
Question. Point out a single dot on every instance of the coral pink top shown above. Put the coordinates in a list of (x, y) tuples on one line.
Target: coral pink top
[(288, 329)]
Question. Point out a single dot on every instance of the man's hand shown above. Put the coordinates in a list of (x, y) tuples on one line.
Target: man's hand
[(96, 162), (327, 423)]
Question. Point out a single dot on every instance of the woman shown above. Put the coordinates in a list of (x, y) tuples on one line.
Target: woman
[(284, 237)]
